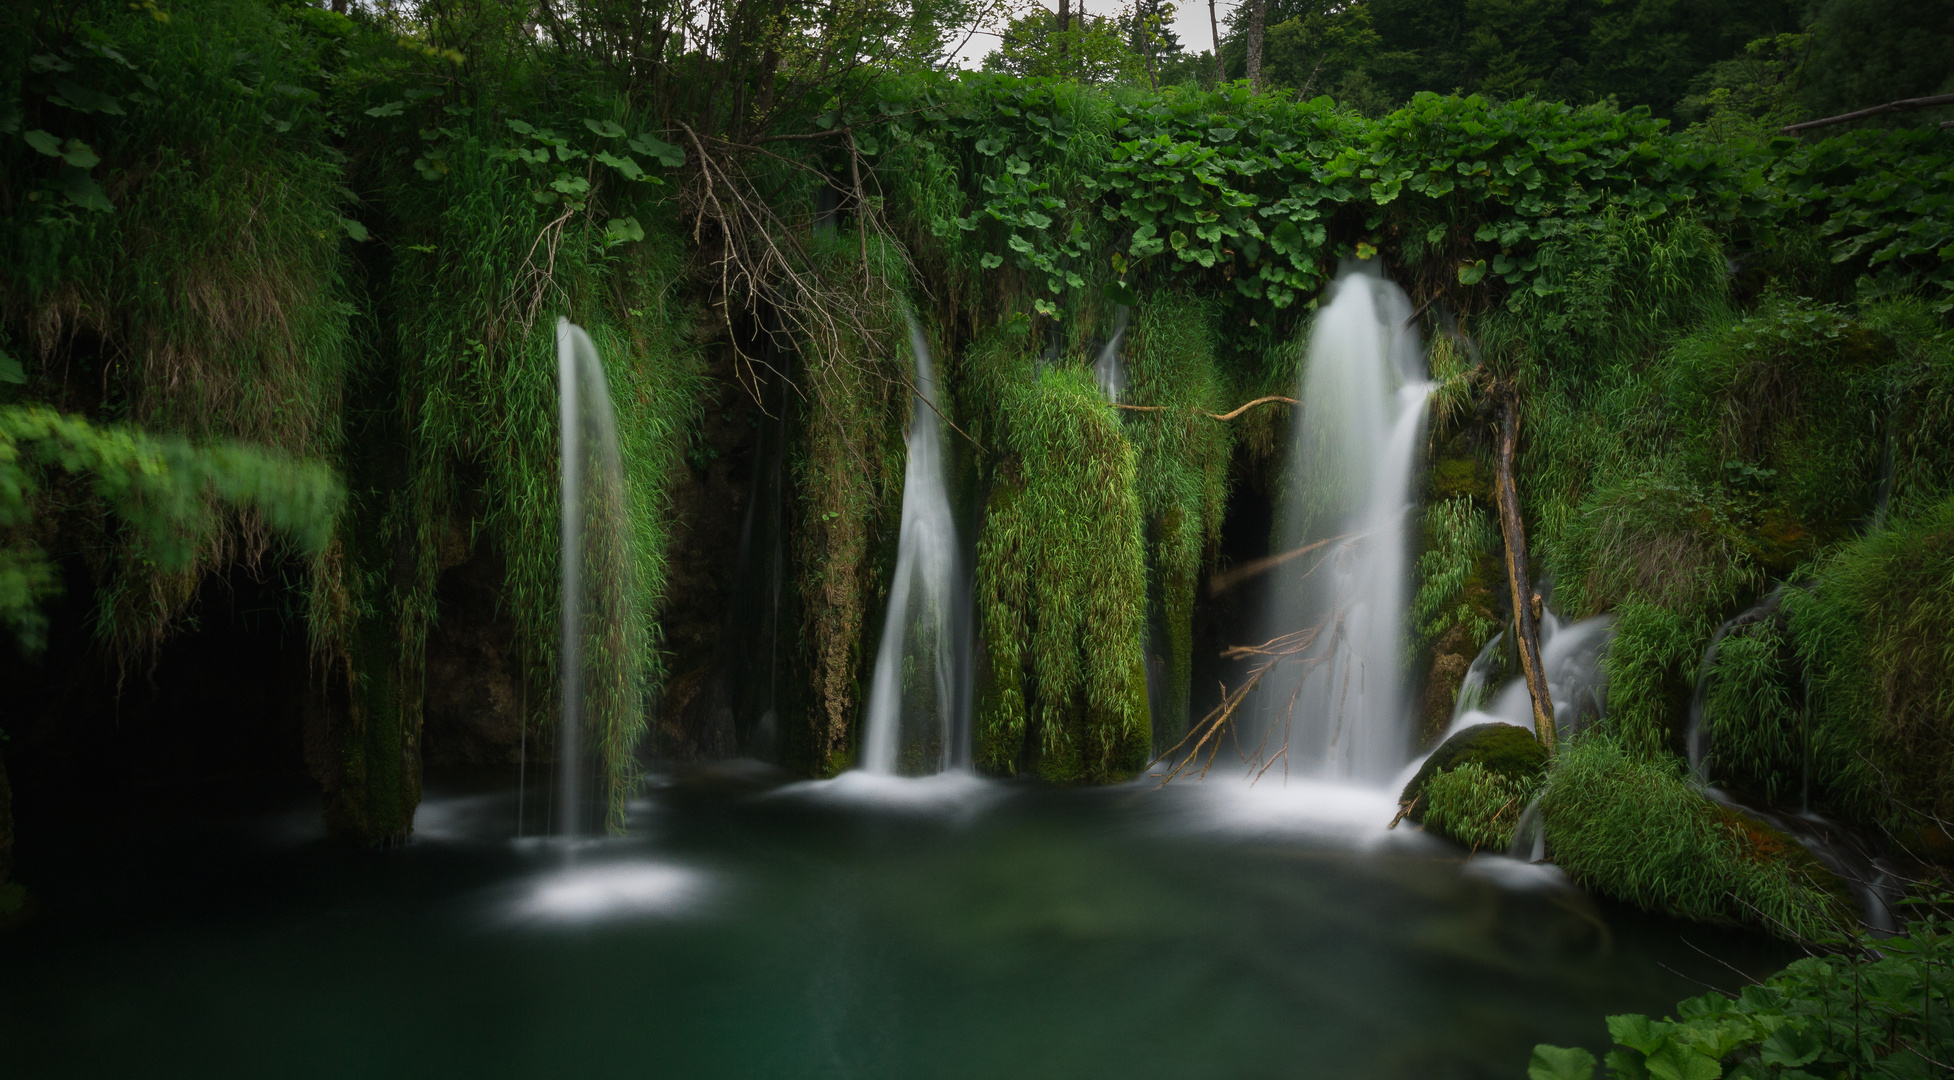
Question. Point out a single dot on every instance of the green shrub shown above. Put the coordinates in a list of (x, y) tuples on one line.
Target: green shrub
[(169, 496), (1475, 806), (1884, 1012)]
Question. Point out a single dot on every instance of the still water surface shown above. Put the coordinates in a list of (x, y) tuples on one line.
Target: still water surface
[(864, 928)]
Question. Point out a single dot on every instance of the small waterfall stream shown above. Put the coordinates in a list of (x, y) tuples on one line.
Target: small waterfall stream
[(1109, 370), (918, 704), (596, 662), (1340, 712)]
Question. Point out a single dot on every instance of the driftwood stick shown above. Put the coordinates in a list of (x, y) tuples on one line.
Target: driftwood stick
[(1901, 105), (1234, 576), (1211, 415), (1526, 621)]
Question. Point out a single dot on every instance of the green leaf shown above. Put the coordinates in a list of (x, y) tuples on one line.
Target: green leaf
[(1673, 1061), (604, 129), (573, 186), (651, 146), (989, 147), (80, 155), (1177, 239), (354, 230), (10, 369), (82, 99), (1019, 243), (990, 260), (45, 143), (1791, 1045), (1119, 292), (867, 144), (1635, 1031), (626, 165), (1560, 1063), (623, 231), (83, 191), (521, 128), (1472, 273)]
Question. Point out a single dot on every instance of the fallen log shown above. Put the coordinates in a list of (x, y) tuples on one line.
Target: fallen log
[(1526, 610), (1901, 105)]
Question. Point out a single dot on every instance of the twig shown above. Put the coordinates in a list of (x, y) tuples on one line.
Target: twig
[(1228, 579), (1212, 416), (1902, 105)]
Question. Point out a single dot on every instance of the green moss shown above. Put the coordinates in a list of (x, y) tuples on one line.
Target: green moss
[(1511, 753), (1875, 629), (1634, 829), (1180, 469), (1061, 586), (1474, 806)]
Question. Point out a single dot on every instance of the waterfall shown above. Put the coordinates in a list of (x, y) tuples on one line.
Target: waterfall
[(597, 661), (1108, 370), (1696, 740), (1339, 710), (918, 704)]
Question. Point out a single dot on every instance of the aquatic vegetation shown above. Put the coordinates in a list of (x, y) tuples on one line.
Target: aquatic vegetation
[(1881, 1010)]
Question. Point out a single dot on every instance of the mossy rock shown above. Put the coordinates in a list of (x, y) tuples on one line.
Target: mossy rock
[(1463, 476), (1509, 751), (1762, 844)]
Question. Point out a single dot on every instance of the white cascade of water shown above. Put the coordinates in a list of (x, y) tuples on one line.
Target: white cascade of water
[(1340, 713), (918, 704), (1696, 740), (595, 556), (1109, 371)]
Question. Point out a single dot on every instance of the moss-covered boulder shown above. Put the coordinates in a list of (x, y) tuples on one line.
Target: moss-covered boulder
[(1475, 786), (1635, 829), (1511, 752)]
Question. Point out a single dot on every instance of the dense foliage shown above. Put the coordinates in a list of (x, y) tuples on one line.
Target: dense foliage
[(1878, 1009)]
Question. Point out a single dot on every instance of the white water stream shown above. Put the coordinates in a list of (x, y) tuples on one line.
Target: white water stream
[(918, 704), (1340, 713), (595, 558)]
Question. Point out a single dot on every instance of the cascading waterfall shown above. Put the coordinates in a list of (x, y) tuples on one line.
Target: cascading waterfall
[(918, 704), (596, 663), (1696, 740), (1109, 371), (1339, 712)]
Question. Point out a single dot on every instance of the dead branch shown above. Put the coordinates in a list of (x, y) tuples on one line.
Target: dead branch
[(1286, 649), (1526, 620), (1212, 416), (1228, 579), (1902, 105)]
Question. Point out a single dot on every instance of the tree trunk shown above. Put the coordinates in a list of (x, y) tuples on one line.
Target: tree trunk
[(1257, 13), (1064, 23), (1526, 620), (1214, 27), (6, 824)]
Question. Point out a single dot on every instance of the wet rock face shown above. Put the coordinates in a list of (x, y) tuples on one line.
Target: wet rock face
[(1508, 751), (472, 714), (1441, 690)]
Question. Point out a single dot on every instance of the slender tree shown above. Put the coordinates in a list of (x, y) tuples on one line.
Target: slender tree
[(1214, 27), (1258, 11)]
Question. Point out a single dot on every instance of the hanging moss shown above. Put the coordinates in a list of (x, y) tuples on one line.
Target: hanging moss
[(1875, 629), (1060, 581), (203, 294), (1181, 457)]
